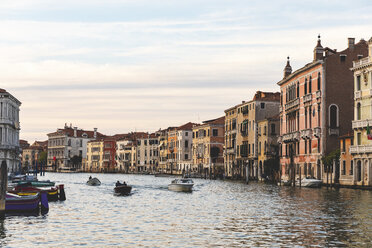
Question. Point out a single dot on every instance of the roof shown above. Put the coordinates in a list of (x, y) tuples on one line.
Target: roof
[(187, 126), (220, 120), (266, 96), (69, 131)]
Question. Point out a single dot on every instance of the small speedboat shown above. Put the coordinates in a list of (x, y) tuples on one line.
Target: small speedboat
[(184, 185), (311, 182), (26, 204), (94, 182), (123, 189), (45, 183)]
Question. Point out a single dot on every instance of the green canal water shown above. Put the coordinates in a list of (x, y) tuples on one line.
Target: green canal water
[(215, 214)]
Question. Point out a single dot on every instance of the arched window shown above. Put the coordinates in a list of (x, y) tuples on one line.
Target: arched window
[(359, 111), (298, 90), (310, 82), (333, 116), (305, 87), (318, 80)]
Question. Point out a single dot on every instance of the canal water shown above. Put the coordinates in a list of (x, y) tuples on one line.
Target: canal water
[(215, 214)]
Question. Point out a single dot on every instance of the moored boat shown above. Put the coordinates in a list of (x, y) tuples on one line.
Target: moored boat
[(53, 193), (45, 183), (94, 182), (184, 185), (26, 204), (311, 183)]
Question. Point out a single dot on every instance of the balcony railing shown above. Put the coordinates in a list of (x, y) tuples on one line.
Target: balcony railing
[(288, 137), (361, 123), (306, 134), (292, 104), (357, 95), (230, 150), (361, 149), (318, 94), (334, 131), (361, 62), (307, 98), (317, 132)]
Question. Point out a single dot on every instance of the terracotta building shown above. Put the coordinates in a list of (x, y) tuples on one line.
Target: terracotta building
[(315, 109)]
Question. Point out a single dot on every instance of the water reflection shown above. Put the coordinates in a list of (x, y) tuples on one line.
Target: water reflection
[(215, 214)]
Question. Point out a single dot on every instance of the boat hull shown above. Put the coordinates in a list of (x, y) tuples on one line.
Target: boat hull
[(180, 187), (123, 190), (311, 183), (26, 204), (94, 182)]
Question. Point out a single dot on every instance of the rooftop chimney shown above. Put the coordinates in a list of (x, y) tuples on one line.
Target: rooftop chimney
[(370, 47), (95, 133), (351, 43), (75, 132)]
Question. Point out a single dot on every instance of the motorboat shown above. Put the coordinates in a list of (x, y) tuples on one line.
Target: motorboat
[(45, 183), (94, 182), (56, 193), (26, 204), (311, 182), (123, 189), (183, 184)]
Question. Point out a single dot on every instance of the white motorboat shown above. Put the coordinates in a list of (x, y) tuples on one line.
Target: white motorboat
[(94, 182), (184, 185), (311, 182)]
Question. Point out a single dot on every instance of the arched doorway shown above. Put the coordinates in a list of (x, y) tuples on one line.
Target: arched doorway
[(359, 171), (260, 170), (318, 170)]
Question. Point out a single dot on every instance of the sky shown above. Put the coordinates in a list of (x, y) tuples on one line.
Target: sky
[(140, 65)]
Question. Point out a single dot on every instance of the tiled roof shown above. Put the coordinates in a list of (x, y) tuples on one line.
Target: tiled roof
[(70, 132), (266, 96), (187, 126), (220, 120)]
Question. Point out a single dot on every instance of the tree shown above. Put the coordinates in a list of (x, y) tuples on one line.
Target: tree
[(43, 157), (328, 159)]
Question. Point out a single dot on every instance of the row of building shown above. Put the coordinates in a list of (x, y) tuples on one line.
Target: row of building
[(322, 108)]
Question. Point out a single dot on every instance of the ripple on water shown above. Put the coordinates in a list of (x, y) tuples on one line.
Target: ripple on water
[(215, 214)]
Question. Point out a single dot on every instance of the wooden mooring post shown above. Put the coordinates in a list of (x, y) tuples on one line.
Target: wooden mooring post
[(3, 187)]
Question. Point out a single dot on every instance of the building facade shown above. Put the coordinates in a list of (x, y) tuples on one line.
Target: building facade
[(148, 153), (315, 110), (207, 146), (361, 150), (9, 131), (346, 161), (184, 148), (67, 147), (230, 141)]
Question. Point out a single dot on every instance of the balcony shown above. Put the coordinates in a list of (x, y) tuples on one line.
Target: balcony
[(306, 134), (362, 62), (292, 104), (318, 94), (290, 137), (230, 150), (361, 124), (307, 98), (361, 149), (357, 95), (317, 132), (334, 131)]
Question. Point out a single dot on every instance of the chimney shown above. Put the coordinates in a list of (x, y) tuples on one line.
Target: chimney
[(95, 133), (351, 43), (287, 69), (243, 101), (75, 132), (370, 47)]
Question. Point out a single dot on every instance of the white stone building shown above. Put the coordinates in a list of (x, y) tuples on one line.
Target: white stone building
[(9, 131)]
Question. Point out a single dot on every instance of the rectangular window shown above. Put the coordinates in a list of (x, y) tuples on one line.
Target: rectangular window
[(359, 139), (186, 133), (343, 167), (358, 83), (309, 146), (351, 167), (262, 105), (186, 143), (305, 147), (343, 145), (186, 156), (215, 132)]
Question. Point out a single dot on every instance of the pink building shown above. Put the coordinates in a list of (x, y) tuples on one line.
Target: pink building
[(316, 108)]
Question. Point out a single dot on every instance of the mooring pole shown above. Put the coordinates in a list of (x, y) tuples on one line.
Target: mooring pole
[(3, 187)]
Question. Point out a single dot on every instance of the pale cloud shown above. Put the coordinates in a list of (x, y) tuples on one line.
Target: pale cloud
[(125, 65)]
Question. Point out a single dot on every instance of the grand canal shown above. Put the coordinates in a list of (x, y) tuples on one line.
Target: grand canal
[(215, 214)]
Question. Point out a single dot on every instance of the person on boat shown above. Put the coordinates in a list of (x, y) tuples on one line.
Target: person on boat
[(117, 183), (124, 183), (90, 177)]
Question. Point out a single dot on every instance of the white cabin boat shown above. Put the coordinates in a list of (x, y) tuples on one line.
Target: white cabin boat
[(184, 185), (311, 183)]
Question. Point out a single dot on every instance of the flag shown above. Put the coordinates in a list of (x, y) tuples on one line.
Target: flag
[(369, 135)]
